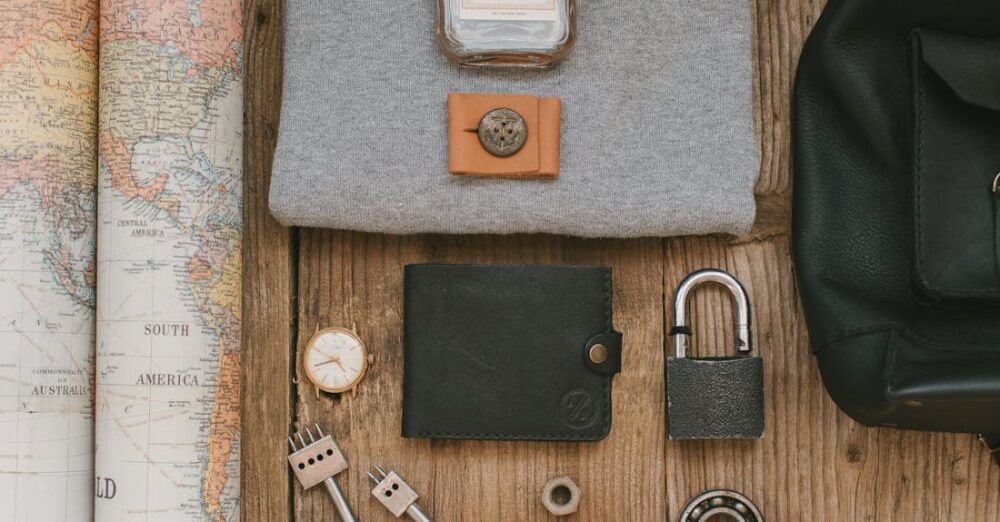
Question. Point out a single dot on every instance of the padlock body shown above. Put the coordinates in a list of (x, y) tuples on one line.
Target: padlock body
[(715, 398)]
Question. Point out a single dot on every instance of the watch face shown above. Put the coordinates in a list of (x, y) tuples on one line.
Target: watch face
[(335, 360)]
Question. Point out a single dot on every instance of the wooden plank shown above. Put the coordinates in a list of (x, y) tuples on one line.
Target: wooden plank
[(814, 464), (267, 288), (780, 28), (352, 278)]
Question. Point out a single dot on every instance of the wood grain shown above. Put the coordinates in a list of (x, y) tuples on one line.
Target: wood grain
[(267, 282), (357, 279), (780, 28), (813, 464)]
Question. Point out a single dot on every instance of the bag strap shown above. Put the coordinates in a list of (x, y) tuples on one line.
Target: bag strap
[(992, 443)]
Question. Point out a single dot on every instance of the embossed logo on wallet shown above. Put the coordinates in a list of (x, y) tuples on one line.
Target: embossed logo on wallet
[(577, 409)]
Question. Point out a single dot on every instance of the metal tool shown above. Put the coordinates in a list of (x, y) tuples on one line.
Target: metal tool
[(320, 461), (396, 495), (720, 397), (561, 496), (721, 502)]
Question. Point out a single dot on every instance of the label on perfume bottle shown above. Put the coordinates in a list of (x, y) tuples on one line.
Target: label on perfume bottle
[(533, 10)]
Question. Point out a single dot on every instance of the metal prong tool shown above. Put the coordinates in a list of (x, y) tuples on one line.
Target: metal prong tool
[(319, 461), (396, 495)]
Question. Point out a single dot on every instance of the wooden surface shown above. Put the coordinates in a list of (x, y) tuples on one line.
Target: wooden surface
[(813, 464)]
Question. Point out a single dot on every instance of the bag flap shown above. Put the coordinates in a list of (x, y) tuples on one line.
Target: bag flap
[(956, 83), (970, 66)]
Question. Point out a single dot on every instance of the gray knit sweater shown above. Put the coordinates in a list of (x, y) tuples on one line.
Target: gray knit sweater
[(657, 131)]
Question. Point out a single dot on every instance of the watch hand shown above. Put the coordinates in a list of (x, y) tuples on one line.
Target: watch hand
[(331, 360)]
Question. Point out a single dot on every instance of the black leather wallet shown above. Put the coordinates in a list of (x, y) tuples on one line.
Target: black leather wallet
[(508, 352)]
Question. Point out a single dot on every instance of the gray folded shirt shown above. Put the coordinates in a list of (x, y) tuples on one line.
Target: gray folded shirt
[(657, 130)]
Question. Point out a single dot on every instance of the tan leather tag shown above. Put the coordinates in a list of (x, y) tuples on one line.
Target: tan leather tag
[(538, 157)]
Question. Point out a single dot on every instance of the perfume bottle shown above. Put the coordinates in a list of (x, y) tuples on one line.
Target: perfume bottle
[(510, 33)]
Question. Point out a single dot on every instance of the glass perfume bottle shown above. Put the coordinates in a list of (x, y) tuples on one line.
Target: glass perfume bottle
[(519, 33)]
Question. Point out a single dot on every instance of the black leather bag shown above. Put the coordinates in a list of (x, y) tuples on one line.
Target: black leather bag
[(896, 222)]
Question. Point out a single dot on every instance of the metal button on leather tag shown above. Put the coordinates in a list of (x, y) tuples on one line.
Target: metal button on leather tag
[(510, 135), (502, 132)]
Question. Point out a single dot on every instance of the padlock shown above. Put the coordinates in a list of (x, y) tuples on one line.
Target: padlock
[(714, 397)]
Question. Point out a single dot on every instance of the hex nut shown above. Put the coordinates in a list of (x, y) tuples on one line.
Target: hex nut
[(558, 506)]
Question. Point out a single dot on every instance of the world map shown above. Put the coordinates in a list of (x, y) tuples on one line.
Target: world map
[(120, 235), (48, 218)]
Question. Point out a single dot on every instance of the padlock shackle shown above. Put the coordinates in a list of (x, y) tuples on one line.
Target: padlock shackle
[(682, 330)]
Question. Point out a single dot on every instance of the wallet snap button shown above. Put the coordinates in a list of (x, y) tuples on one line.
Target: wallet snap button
[(502, 132), (603, 353), (598, 354)]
